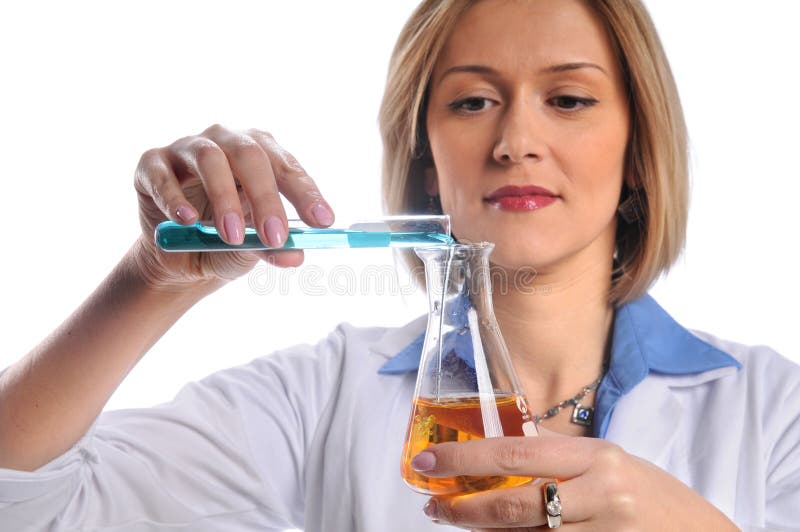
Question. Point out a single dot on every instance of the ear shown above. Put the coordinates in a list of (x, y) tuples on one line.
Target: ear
[(431, 181)]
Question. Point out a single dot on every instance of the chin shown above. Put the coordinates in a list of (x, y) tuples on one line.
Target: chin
[(522, 260), (512, 253), (544, 244), (511, 249)]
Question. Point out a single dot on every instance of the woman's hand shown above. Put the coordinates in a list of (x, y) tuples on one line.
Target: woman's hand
[(601, 487), (233, 178)]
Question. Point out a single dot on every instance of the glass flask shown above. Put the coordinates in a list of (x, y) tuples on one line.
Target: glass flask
[(466, 385)]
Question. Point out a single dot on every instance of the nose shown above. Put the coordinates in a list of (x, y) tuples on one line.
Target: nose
[(519, 138)]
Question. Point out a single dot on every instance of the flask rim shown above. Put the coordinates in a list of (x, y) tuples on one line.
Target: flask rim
[(456, 250)]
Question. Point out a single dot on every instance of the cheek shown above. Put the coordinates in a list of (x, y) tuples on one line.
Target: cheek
[(597, 159), (451, 142), (458, 157)]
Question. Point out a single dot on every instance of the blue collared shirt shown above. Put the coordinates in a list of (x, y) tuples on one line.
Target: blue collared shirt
[(645, 340)]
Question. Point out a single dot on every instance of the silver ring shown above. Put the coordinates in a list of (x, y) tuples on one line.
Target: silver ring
[(552, 504)]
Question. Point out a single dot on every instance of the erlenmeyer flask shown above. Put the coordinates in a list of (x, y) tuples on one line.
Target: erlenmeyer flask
[(466, 386)]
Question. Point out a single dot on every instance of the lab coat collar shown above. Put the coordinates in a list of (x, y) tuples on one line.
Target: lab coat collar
[(646, 340)]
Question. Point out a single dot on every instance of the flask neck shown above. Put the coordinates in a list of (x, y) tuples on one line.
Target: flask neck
[(464, 354), (458, 278)]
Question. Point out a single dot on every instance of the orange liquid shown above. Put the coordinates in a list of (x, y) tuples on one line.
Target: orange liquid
[(457, 419)]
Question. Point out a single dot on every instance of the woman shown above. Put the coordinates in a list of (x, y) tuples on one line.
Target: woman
[(550, 127)]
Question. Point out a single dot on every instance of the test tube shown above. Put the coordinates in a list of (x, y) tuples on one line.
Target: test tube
[(389, 231)]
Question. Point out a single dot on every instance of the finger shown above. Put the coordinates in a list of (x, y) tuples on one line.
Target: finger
[(287, 258), (154, 179), (253, 170), (586, 526), (294, 182), (203, 158), (515, 507), (543, 457), (583, 526)]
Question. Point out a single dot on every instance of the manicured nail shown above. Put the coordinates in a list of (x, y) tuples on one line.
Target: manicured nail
[(233, 228), (276, 235), (431, 509), (185, 213), (323, 214), (424, 461)]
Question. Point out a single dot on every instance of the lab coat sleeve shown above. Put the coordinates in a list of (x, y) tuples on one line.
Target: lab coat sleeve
[(226, 454)]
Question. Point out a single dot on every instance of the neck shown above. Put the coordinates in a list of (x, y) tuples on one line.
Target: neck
[(558, 331)]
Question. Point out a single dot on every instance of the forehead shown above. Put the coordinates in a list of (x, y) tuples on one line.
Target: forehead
[(528, 34)]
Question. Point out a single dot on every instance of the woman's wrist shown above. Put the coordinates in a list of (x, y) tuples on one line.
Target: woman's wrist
[(143, 271)]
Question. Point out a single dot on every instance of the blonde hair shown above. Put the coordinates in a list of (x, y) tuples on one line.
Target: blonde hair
[(656, 157)]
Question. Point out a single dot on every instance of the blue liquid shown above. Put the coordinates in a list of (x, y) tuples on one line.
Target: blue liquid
[(171, 236)]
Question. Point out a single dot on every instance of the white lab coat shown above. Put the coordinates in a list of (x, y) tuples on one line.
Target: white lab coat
[(310, 437)]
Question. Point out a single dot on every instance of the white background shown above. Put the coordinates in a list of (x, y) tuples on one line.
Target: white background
[(87, 86)]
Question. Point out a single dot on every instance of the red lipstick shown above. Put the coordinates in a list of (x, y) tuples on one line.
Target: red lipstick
[(528, 198)]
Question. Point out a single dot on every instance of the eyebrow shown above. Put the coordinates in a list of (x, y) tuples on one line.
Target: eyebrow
[(552, 69), (573, 66)]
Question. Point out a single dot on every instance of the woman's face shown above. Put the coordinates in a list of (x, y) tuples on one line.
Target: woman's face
[(528, 93)]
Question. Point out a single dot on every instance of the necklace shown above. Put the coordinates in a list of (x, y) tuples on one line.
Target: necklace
[(581, 414)]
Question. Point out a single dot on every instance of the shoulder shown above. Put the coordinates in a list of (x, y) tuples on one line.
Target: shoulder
[(761, 365), (766, 395), (766, 389)]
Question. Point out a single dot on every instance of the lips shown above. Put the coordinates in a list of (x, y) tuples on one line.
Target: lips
[(515, 198)]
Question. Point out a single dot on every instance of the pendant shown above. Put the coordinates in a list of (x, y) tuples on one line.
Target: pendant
[(582, 415)]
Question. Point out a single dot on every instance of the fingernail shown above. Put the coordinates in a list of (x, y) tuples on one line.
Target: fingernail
[(185, 213), (233, 228), (431, 509), (424, 461), (323, 214), (276, 235)]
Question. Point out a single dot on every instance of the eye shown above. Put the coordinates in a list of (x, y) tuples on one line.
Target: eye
[(470, 105), (572, 103)]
